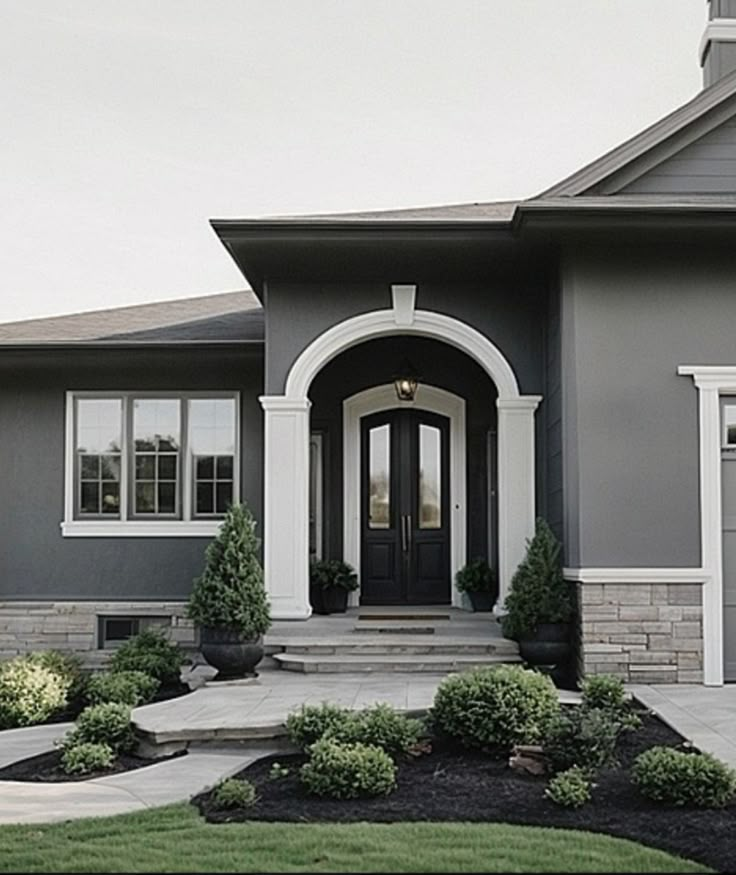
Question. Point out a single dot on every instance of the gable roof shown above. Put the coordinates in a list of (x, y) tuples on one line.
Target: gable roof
[(712, 106), (229, 317)]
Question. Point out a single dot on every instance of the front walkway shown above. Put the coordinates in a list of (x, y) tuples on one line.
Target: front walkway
[(705, 716)]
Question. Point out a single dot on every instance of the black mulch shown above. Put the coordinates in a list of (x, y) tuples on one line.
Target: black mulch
[(45, 768), (452, 784)]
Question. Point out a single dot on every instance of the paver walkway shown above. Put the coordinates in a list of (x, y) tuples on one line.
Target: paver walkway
[(251, 710), (175, 780), (705, 716)]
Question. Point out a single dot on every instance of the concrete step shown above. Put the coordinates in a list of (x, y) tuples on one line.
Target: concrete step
[(499, 647), (405, 627), (436, 663)]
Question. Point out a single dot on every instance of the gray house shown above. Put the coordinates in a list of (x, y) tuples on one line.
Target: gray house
[(574, 357)]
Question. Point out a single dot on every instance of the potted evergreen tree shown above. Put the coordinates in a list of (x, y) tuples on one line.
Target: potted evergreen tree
[(478, 581), (228, 601), (539, 606), (330, 581)]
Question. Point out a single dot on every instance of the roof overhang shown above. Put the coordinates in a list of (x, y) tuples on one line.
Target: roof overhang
[(321, 250)]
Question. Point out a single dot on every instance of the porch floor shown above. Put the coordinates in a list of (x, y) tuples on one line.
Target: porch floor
[(460, 627)]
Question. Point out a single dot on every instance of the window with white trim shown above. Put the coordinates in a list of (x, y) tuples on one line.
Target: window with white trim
[(138, 456)]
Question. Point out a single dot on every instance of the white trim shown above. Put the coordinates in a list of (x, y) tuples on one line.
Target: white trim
[(636, 575), (721, 30), (125, 527), (381, 323), (712, 381), (140, 528), (286, 487), (404, 299), (375, 400)]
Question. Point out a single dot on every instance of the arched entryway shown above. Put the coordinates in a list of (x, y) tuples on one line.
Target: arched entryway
[(287, 436)]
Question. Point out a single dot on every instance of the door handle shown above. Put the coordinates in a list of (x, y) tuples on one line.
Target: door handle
[(408, 533), (404, 544)]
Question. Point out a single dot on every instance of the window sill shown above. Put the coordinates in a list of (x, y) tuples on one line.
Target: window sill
[(140, 529)]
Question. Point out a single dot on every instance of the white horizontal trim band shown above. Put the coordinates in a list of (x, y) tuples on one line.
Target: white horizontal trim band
[(637, 575), (140, 529)]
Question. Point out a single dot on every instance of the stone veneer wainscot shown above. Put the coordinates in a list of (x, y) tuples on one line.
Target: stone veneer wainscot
[(73, 625), (642, 633)]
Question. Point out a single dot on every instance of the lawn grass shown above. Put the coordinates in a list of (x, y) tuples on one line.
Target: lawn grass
[(176, 839)]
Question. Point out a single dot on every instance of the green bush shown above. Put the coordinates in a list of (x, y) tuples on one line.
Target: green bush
[(86, 757), (29, 693), (131, 688), (345, 771), (603, 691), (679, 778), (476, 576), (333, 572), (67, 665), (230, 591), (151, 653), (538, 592), (380, 725), (311, 722), (234, 793), (107, 723), (570, 788), (582, 737), (499, 706)]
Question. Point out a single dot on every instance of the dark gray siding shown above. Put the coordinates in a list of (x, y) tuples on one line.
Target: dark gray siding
[(707, 166), (509, 309), (36, 562), (630, 315), (552, 409)]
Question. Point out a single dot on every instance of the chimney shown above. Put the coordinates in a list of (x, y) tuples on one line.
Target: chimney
[(718, 46)]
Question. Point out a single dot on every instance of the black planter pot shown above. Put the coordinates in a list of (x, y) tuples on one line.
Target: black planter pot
[(226, 650), (481, 601), (328, 600), (549, 645)]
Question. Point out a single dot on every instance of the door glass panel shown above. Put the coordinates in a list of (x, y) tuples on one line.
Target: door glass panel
[(430, 480), (379, 477), (729, 426)]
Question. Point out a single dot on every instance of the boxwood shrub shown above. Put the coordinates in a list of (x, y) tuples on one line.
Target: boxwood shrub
[(680, 778), (570, 788), (311, 722), (106, 723), (496, 706), (29, 693), (234, 793), (380, 725), (345, 771), (152, 653), (86, 757), (131, 688), (581, 737)]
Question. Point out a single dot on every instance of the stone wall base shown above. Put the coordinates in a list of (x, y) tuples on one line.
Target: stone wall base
[(73, 626), (642, 633)]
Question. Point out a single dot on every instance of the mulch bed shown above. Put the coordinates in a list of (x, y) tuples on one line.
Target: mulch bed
[(454, 784), (45, 768)]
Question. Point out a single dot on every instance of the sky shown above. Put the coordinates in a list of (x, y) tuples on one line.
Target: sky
[(126, 126)]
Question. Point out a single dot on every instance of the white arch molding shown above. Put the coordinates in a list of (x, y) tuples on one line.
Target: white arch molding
[(286, 437)]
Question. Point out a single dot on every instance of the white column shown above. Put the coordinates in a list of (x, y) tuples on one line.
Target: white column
[(711, 522), (286, 506), (516, 485)]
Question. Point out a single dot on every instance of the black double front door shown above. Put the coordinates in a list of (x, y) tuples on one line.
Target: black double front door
[(405, 519)]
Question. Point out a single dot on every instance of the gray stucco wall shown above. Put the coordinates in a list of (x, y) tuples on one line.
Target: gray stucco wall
[(509, 309), (631, 313), (36, 562)]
